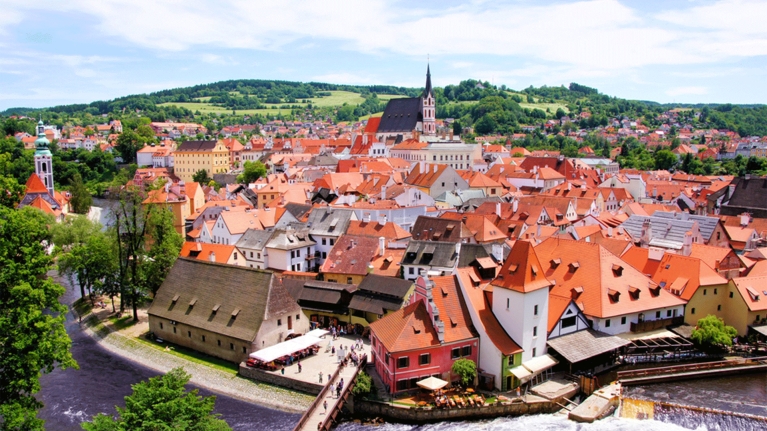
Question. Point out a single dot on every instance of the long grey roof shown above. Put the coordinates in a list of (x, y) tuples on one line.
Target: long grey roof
[(254, 239), (668, 233), (585, 344), (193, 289), (290, 239), (329, 221), (705, 224), (197, 146), (394, 287), (401, 115), (431, 253)]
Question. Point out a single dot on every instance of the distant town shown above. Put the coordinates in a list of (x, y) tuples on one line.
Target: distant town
[(415, 269)]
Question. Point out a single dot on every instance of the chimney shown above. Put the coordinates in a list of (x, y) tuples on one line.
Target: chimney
[(212, 257), (366, 218), (744, 218), (498, 209), (381, 246), (515, 206), (383, 192), (646, 235), (436, 168), (381, 219), (687, 245), (451, 134), (422, 166)]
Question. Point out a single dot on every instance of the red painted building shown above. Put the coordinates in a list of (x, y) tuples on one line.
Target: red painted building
[(424, 338)]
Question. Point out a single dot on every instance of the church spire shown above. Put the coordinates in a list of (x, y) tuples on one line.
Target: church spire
[(427, 90), (43, 158)]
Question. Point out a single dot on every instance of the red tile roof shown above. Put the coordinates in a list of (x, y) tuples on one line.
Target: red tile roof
[(452, 309), (522, 271), (408, 328)]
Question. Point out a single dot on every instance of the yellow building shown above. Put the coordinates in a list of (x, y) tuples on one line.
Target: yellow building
[(746, 303), (193, 156)]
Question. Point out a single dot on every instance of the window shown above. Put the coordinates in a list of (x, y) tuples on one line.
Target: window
[(203, 338), (719, 307), (534, 350), (466, 351), (189, 334), (535, 331), (279, 322), (292, 254), (174, 329), (244, 350), (668, 313), (403, 362), (231, 346), (332, 241), (705, 291), (324, 255), (258, 255), (219, 343), (607, 323), (716, 291), (424, 359), (568, 322), (298, 316), (443, 184), (411, 270), (160, 325), (657, 314), (623, 320), (455, 353), (730, 294), (402, 385), (535, 310), (324, 241), (348, 280), (251, 255), (692, 311)]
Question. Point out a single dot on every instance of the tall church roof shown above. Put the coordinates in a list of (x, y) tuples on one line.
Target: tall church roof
[(41, 143), (427, 89), (401, 115)]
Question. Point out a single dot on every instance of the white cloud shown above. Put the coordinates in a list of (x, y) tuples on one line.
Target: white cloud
[(684, 91)]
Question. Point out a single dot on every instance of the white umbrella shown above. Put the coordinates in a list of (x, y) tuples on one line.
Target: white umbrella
[(432, 383)]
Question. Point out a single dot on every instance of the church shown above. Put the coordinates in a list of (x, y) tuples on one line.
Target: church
[(403, 117), (39, 191)]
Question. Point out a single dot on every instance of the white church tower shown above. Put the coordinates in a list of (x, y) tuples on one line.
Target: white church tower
[(43, 158), (428, 108)]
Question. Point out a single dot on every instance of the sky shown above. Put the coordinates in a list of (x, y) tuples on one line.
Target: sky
[(78, 51)]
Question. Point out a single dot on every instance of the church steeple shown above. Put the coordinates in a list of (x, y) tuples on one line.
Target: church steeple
[(428, 108), (43, 158)]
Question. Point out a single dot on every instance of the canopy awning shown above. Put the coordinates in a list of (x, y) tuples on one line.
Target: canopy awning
[(521, 372), (540, 363), (318, 333), (432, 383), (271, 353), (762, 329), (586, 344)]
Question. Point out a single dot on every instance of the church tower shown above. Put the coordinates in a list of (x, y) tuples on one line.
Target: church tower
[(43, 158), (428, 107)]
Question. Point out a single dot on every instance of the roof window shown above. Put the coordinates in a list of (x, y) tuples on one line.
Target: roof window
[(574, 267)]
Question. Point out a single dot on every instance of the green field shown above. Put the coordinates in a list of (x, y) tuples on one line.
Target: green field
[(543, 106), (336, 98)]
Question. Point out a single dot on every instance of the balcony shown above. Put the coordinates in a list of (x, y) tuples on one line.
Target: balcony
[(651, 325)]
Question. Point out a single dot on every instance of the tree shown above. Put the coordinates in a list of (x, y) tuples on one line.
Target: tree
[(128, 143), (162, 403), (201, 177), (251, 172), (664, 159), (363, 386), (466, 369), (33, 338), (81, 198), (712, 332)]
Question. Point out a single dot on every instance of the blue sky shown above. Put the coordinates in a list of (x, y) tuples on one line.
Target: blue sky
[(77, 51)]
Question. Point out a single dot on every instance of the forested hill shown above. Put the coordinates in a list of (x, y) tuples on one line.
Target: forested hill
[(485, 107)]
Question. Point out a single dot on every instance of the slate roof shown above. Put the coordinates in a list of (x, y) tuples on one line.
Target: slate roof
[(401, 115), (208, 285), (439, 229), (195, 146), (255, 239), (749, 194), (471, 252), (442, 254), (394, 287), (329, 221), (666, 232), (290, 239), (705, 224)]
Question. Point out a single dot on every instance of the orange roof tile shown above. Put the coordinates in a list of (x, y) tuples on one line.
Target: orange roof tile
[(522, 272), (753, 291), (390, 230), (408, 328), (35, 185), (202, 251), (452, 309)]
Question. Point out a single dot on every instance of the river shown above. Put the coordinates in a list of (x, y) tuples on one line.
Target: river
[(73, 396)]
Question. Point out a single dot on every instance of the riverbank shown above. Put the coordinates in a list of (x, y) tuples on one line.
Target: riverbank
[(123, 343)]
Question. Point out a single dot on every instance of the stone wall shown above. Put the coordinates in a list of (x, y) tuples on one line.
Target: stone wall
[(403, 414), (279, 380)]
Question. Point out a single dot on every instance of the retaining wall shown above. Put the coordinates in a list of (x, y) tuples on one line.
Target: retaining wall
[(405, 414), (280, 380)]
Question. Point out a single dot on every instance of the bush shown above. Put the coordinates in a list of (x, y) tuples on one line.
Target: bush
[(364, 385)]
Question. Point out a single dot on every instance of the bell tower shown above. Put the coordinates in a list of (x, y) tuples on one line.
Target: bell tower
[(43, 158), (428, 107)]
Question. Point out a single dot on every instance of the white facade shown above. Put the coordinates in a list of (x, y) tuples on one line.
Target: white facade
[(572, 320), (456, 154), (524, 316), (289, 260), (413, 196), (324, 245), (621, 324)]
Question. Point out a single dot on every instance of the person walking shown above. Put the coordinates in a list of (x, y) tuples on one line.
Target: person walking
[(282, 371), (338, 391), (325, 404), (320, 377), (299, 366)]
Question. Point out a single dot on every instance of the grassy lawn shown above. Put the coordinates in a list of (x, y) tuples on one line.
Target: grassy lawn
[(336, 98), (121, 323), (191, 355)]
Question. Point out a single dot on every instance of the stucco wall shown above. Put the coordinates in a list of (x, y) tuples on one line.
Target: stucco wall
[(210, 346)]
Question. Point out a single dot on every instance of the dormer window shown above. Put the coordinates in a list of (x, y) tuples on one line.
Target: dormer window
[(614, 295), (574, 267), (634, 292), (617, 270), (555, 263), (576, 292), (513, 268)]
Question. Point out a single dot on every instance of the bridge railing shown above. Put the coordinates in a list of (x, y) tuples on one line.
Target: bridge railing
[(628, 374)]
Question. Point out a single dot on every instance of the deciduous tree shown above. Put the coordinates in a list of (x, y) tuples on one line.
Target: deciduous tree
[(466, 369), (712, 332), (162, 403), (33, 339), (251, 172), (81, 199)]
